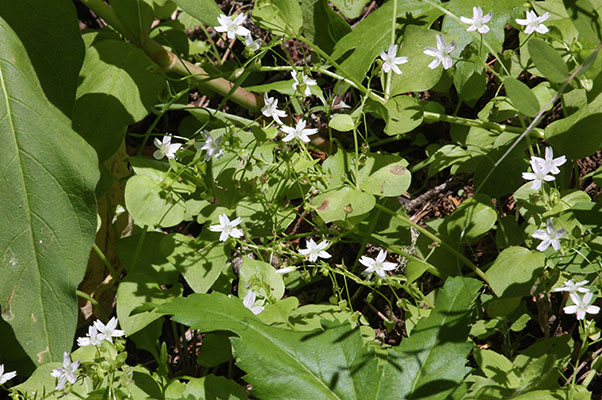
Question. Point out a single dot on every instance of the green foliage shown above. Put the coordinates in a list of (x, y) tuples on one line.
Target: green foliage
[(48, 210), (336, 235)]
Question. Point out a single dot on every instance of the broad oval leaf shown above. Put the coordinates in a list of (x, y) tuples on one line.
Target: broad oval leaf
[(343, 203), (384, 175), (521, 97), (342, 122), (548, 61), (120, 86), (513, 272), (577, 138), (151, 204), (473, 218), (58, 70), (205, 11), (404, 113), (280, 17), (48, 209)]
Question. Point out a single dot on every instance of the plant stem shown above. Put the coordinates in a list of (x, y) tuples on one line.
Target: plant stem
[(436, 239), (106, 262), (170, 63), (433, 116)]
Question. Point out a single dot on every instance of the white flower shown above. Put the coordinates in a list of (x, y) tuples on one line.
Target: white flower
[(441, 53), (108, 331), (66, 372), (5, 377), (581, 306), (91, 339), (537, 176), (249, 300), (303, 81), (478, 20), (549, 164), (286, 270), (549, 236), (315, 250), (166, 148), (233, 27), (378, 265), (270, 108), (227, 228), (534, 23), (299, 131), (572, 287), (253, 45), (211, 145), (391, 60)]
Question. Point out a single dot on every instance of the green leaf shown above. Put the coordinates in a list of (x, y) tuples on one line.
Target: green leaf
[(58, 69), (575, 136), (586, 19), (137, 17), (416, 76), (514, 271), (137, 290), (259, 275), (350, 8), (431, 363), (384, 175), (199, 262), (343, 203), (48, 209), (322, 25), (284, 364), (404, 113), (342, 123), (548, 61), (149, 203), (117, 81), (473, 218), (372, 35), (206, 388), (205, 11), (521, 97), (146, 257), (280, 17)]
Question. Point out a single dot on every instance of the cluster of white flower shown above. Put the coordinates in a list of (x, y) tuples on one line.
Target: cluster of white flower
[(97, 332), (442, 51), (67, 372), (542, 168), (233, 27), (581, 305), (378, 265)]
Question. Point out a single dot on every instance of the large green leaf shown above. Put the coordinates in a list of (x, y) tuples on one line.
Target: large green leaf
[(120, 85), (42, 25), (334, 363), (357, 50), (285, 364), (205, 11), (322, 25), (433, 359), (280, 17), (514, 271), (48, 211)]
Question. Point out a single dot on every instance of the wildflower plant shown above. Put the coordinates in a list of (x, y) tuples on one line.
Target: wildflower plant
[(256, 190)]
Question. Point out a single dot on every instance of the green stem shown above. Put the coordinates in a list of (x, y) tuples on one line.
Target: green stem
[(433, 116), (436, 239), (94, 302), (106, 262)]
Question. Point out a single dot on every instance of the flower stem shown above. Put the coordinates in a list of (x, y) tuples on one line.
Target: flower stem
[(436, 239)]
